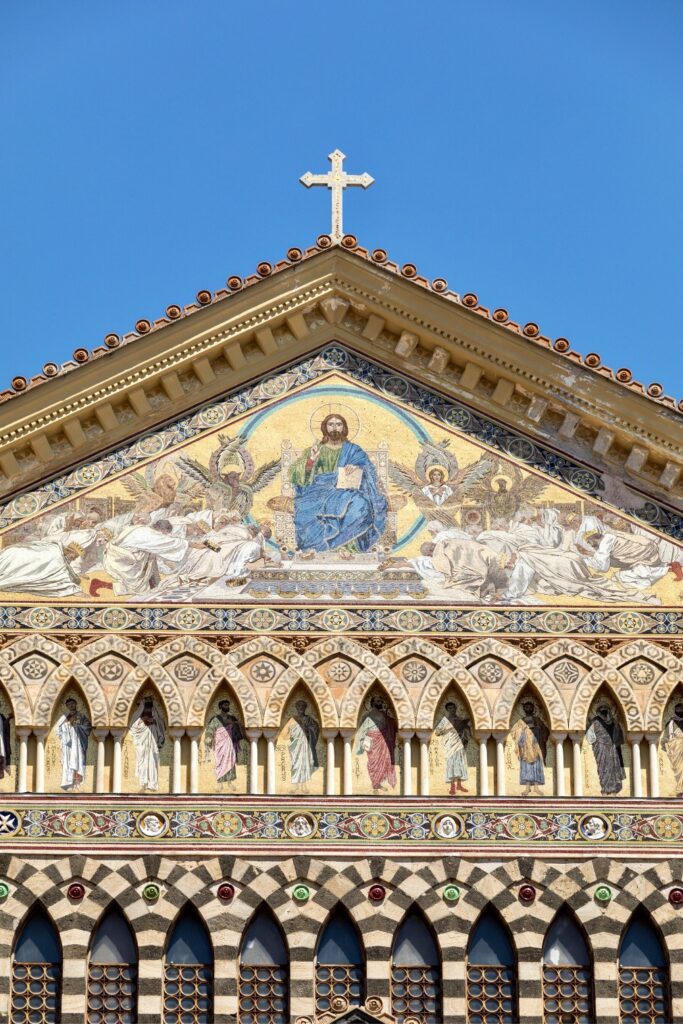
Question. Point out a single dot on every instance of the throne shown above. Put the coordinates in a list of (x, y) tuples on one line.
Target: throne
[(283, 504)]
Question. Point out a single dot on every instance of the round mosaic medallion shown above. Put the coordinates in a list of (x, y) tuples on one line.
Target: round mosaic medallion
[(262, 671), (458, 418), (339, 671), (482, 622), (396, 386), (565, 672), (451, 894), (668, 826), (335, 620), (642, 673), (261, 619), (274, 386), (41, 618), (630, 622), (374, 825), (490, 672), (583, 479), (520, 448), (414, 672), (603, 894), (24, 505), (110, 669), (185, 671), (153, 824), (78, 823), (87, 475), (188, 618), (556, 622), (300, 825), (448, 826), (212, 416), (115, 618), (594, 827), (34, 668), (225, 823), (409, 621), (151, 445), (521, 826)]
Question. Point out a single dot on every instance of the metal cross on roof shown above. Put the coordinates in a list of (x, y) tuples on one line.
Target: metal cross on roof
[(337, 180)]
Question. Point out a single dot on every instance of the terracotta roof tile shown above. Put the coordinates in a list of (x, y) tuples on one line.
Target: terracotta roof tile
[(592, 361)]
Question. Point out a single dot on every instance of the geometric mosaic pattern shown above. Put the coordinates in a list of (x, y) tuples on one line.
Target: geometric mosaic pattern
[(416, 823)]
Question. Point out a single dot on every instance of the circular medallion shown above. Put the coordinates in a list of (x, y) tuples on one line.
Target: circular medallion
[(153, 824), (262, 671), (24, 505), (301, 893), (338, 1004), (448, 826), (225, 823), (414, 672), (34, 668), (521, 826), (339, 671), (76, 891), (583, 479), (374, 1004), (185, 671), (41, 618), (630, 622), (594, 827), (668, 826), (188, 619), (212, 416), (642, 674), (556, 622), (603, 894), (458, 418), (115, 618), (300, 825), (261, 619), (110, 669), (78, 823), (520, 448), (274, 386), (527, 894), (376, 893), (4, 890), (482, 622), (409, 621), (87, 475), (451, 894), (676, 897), (374, 825), (335, 620), (565, 673), (151, 892), (151, 445), (490, 672), (226, 891)]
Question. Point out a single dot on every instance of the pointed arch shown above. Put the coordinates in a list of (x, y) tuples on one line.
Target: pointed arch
[(287, 682), (113, 958), (416, 970), (147, 669), (37, 966), (15, 688), (222, 669), (622, 693), (567, 966), (263, 951), (644, 971), (548, 696), (339, 962), (71, 667), (453, 670), (491, 968), (188, 969), (375, 669)]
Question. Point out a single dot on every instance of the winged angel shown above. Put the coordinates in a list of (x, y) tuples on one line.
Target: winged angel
[(156, 487), (231, 479), (438, 487)]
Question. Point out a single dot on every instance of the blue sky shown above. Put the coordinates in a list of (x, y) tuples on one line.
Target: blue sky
[(530, 152)]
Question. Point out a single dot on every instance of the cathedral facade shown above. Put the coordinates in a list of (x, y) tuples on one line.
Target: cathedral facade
[(341, 669)]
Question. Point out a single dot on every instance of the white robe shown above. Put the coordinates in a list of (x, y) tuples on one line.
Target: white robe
[(136, 558), (148, 740), (38, 567), (74, 743)]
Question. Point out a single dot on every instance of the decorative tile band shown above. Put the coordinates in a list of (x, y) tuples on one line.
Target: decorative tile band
[(437, 823), (258, 619)]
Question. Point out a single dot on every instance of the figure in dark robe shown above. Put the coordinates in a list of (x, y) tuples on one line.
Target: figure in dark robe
[(606, 737), (530, 736), (5, 748), (303, 746)]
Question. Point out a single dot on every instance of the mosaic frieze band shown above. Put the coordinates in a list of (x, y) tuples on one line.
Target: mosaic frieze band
[(479, 824)]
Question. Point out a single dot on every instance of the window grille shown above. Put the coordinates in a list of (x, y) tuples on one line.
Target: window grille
[(416, 972), (187, 994), (491, 973), (36, 972), (567, 973), (112, 992), (643, 974), (340, 970), (263, 987)]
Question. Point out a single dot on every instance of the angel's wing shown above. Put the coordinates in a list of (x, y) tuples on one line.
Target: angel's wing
[(405, 478), (438, 514), (265, 475), (195, 471), (531, 487), (137, 486), (436, 455), (227, 454), (481, 470)]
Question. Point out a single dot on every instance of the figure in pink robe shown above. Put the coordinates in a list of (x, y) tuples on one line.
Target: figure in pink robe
[(377, 739), (223, 737)]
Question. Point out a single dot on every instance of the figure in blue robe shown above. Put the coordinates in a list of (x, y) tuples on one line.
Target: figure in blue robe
[(327, 515)]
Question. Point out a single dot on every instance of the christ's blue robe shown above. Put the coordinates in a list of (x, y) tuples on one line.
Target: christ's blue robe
[(327, 517)]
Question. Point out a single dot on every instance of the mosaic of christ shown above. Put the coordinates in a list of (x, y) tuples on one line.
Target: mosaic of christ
[(336, 493)]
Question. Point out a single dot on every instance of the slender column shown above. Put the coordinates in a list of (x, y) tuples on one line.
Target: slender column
[(577, 767), (270, 735), (347, 736), (424, 738), (40, 735), (635, 766), (500, 765), (100, 736), (483, 765), (654, 765), (176, 735), (559, 764), (194, 735), (116, 772), (330, 736), (22, 777), (406, 738), (253, 736)]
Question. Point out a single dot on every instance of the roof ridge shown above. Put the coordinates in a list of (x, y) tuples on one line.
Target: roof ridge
[(653, 392)]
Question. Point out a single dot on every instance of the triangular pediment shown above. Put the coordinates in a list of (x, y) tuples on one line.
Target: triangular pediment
[(409, 496)]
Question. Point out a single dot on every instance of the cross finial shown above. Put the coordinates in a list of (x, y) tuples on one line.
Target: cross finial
[(336, 180)]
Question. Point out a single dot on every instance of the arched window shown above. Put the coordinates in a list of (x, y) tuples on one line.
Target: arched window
[(415, 972), (112, 972), (567, 973), (188, 971), (36, 971), (643, 974), (339, 965), (264, 973), (491, 973)]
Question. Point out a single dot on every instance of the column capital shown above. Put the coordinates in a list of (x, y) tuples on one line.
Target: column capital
[(635, 737), (253, 734), (40, 731), (100, 734), (652, 737), (482, 735), (176, 732), (576, 737), (347, 734), (330, 734), (23, 732), (194, 731), (558, 737), (424, 735), (270, 734), (405, 734), (118, 733)]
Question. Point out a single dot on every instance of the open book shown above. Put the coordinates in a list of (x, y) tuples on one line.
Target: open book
[(349, 478)]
